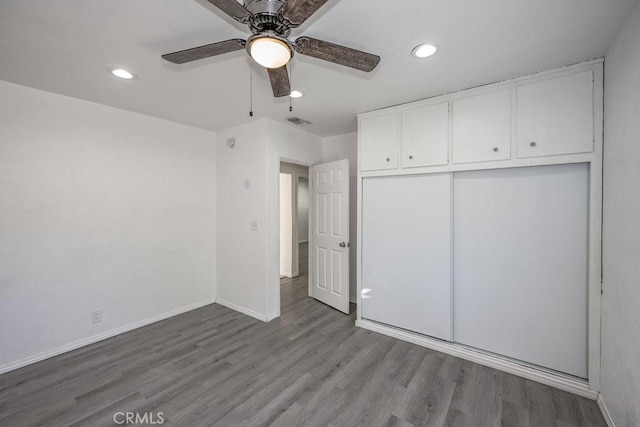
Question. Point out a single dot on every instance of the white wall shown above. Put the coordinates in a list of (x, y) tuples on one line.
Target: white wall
[(303, 210), (100, 208), (286, 225), (621, 234), (248, 261), (338, 148), (241, 181)]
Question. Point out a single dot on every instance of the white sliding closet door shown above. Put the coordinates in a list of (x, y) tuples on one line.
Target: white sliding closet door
[(406, 252), (520, 264)]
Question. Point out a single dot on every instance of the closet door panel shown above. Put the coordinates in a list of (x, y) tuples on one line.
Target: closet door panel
[(406, 252), (520, 264)]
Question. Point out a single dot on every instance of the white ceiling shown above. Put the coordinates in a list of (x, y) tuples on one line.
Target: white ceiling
[(67, 46)]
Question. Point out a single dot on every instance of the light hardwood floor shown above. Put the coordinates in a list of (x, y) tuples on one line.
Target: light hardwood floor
[(311, 366)]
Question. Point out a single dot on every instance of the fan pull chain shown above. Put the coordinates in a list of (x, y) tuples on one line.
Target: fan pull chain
[(290, 86), (250, 89)]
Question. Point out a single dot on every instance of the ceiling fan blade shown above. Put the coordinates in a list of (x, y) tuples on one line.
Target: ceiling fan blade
[(337, 54), (279, 81), (298, 11), (233, 9), (205, 51)]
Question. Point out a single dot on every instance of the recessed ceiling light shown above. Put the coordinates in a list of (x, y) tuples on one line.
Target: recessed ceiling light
[(122, 73), (296, 94), (424, 50)]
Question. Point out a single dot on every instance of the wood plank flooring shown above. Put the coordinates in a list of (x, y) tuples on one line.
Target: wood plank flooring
[(312, 366)]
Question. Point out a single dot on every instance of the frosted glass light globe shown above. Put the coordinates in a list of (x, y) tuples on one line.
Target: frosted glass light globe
[(270, 52)]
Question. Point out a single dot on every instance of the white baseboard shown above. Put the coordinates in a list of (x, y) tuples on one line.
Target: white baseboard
[(100, 337), (605, 412), (273, 316), (581, 388), (287, 274), (243, 310)]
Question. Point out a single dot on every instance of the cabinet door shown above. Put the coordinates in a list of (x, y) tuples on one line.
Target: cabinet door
[(520, 263), (406, 252), (482, 128), (425, 136), (379, 142), (556, 116)]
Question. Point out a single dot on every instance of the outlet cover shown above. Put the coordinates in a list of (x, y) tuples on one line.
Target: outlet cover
[(96, 316)]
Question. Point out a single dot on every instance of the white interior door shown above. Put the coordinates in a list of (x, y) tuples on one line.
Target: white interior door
[(329, 245)]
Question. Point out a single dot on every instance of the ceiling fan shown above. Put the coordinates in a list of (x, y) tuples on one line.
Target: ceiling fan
[(271, 22)]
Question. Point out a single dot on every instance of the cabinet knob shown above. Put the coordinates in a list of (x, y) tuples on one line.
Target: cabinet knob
[(388, 159), (533, 144), (410, 157), (495, 149)]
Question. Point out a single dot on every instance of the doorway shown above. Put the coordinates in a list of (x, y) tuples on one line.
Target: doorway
[(294, 220), (314, 219)]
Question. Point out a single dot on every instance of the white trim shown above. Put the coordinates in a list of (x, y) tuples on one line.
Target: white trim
[(359, 230), (353, 300), (103, 336), (288, 274), (243, 310), (560, 159), (275, 315), (595, 235), (605, 412), (570, 385)]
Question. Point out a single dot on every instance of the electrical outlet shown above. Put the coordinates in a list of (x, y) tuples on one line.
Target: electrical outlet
[(254, 225), (96, 316)]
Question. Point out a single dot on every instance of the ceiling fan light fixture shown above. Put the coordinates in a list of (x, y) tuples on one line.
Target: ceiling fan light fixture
[(270, 52), (424, 50)]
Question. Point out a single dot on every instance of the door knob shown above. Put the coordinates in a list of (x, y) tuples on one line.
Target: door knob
[(343, 245)]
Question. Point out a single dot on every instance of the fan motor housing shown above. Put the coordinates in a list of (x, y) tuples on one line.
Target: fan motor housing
[(266, 17), (258, 7)]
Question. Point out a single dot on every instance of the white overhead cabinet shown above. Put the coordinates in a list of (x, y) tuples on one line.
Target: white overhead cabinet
[(483, 240), (482, 128), (556, 116), (425, 136), (407, 255), (381, 134), (418, 136)]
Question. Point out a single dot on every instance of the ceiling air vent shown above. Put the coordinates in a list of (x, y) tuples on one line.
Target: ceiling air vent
[(298, 121)]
